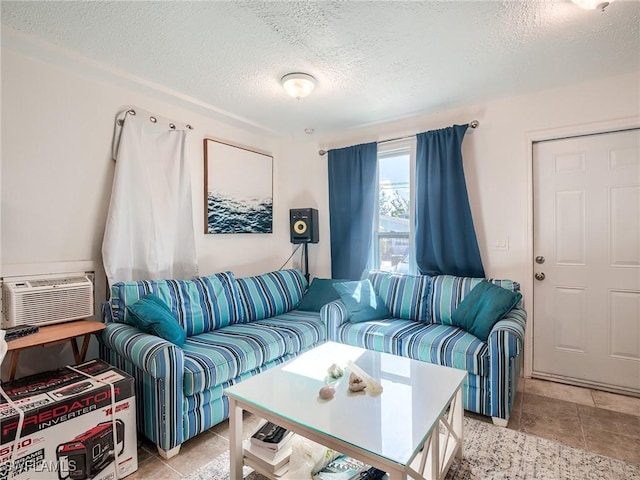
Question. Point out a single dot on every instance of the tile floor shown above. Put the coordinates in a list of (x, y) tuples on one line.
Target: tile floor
[(593, 420), (600, 422)]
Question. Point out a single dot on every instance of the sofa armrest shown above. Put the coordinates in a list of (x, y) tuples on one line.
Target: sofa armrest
[(506, 342), (151, 354), (158, 367), (107, 313), (507, 334), (333, 315)]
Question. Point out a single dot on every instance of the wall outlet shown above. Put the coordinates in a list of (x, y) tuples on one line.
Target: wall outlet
[(502, 244)]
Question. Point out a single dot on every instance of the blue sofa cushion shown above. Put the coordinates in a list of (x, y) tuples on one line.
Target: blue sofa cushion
[(448, 291), (151, 315), (304, 329), (406, 296), (271, 294), (483, 307), (182, 296), (362, 301), (320, 293), (220, 301), (378, 335), (446, 345), (215, 357)]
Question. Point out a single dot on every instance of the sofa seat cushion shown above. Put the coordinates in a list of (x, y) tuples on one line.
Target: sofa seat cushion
[(214, 357), (200, 399), (305, 329), (446, 345), (378, 335)]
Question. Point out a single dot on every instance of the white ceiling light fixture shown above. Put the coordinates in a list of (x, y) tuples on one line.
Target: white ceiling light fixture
[(298, 85), (593, 4)]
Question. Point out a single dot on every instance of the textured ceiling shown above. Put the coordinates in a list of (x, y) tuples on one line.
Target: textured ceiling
[(374, 61)]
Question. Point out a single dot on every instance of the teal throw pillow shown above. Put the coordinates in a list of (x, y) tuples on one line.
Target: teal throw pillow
[(320, 293), (482, 307), (152, 315), (362, 301)]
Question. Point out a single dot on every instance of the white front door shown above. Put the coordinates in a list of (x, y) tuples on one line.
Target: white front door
[(587, 259)]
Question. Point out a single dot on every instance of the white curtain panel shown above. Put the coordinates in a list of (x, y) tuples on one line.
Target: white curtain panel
[(149, 233)]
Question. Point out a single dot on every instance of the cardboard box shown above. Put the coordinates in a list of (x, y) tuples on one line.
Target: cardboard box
[(75, 427)]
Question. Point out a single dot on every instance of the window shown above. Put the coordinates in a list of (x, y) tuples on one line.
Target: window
[(393, 223)]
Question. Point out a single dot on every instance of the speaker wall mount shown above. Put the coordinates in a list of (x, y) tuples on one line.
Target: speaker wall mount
[(303, 227)]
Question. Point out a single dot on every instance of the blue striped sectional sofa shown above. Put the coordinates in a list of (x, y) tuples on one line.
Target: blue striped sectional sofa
[(235, 328), (421, 328)]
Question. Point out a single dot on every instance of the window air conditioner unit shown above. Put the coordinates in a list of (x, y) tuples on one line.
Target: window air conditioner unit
[(44, 302)]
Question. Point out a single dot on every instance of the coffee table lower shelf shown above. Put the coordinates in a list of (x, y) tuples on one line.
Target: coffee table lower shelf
[(443, 443), (449, 455)]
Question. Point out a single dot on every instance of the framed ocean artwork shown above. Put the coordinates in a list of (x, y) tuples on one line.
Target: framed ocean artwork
[(238, 187)]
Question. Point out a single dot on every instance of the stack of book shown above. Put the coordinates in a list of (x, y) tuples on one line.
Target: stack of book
[(269, 449)]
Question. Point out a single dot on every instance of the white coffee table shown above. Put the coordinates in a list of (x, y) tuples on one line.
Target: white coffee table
[(397, 431)]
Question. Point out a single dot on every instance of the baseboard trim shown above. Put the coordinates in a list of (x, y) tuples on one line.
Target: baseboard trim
[(583, 383)]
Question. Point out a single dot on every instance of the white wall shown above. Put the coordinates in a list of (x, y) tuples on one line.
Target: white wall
[(306, 184), (57, 126), (496, 154), (497, 162), (57, 172)]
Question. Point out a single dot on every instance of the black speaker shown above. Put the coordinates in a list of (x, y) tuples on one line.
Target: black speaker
[(304, 225)]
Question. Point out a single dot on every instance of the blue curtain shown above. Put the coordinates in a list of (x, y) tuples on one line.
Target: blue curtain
[(352, 196), (446, 241)]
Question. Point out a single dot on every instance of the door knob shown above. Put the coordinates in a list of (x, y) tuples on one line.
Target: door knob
[(540, 276), (540, 259)]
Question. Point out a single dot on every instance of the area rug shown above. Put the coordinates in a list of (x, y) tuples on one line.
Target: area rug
[(494, 453)]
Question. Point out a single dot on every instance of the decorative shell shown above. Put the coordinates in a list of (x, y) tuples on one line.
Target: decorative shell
[(327, 392), (335, 371), (356, 384)]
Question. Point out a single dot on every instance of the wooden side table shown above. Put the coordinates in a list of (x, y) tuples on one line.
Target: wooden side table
[(54, 334)]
